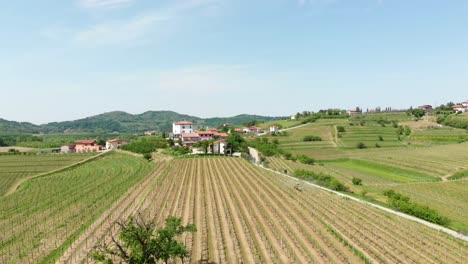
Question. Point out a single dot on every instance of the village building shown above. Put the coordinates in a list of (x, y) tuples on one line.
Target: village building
[(238, 130), (181, 127), (252, 129), (86, 146), (219, 147), (68, 148), (189, 139), (150, 133), (220, 135), (212, 129), (428, 108), (205, 135), (460, 108), (354, 112), (274, 130), (115, 143)]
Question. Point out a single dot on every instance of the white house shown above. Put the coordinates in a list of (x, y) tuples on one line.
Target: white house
[(460, 108), (69, 148), (220, 147), (274, 129), (114, 143), (181, 127), (293, 117)]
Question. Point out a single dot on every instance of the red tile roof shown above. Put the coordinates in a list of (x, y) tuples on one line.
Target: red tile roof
[(205, 133), (221, 134), (85, 142), (183, 123), (190, 135)]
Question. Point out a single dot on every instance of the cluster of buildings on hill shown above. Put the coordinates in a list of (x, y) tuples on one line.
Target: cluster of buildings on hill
[(185, 132), (463, 107), (91, 145)]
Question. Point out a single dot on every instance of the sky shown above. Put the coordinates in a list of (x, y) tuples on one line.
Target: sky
[(69, 59)]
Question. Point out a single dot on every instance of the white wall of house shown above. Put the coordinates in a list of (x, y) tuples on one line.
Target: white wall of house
[(274, 129), (112, 145), (179, 129)]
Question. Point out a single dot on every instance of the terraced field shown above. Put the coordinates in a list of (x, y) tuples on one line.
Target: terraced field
[(46, 214), (246, 214), (14, 168), (369, 135)]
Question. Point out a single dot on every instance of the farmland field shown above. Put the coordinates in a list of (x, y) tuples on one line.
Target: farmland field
[(246, 214), (17, 167), (46, 214)]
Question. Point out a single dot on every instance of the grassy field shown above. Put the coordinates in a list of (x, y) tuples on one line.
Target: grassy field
[(245, 214), (286, 123), (369, 135), (40, 220), (14, 168)]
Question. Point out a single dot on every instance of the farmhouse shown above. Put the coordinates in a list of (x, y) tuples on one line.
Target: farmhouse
[(219, 147), (181, 127), (274, 130), (252, 129), (150, 133), (205, 135), (220, 135), (69, 148), (188, 139), (115, 143), (86, 146), (354, 112), (428, 108), (460, 107)]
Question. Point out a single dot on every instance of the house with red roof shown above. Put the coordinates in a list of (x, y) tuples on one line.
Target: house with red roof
[(428, 108), (206, 135), (86, 145), (219, 147), (189, 139), (460, 108)]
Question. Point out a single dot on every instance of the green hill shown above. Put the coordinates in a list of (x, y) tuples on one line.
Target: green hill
[(123, 122)]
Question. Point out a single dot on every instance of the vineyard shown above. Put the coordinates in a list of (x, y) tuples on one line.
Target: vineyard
[(46, 214), (246, 214), (14, 168)]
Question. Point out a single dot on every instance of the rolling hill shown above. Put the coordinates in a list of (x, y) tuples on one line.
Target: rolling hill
[(123, 122)]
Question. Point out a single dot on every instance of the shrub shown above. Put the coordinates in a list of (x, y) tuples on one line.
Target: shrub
[(403, 204), (357, 181), (341, 129), (361, 145), (377, 145), (305, 160), (312, 138), (321, 179), (381, 138), (147, 156)]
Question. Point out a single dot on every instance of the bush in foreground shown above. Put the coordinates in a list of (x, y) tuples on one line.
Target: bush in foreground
[(312, 138)]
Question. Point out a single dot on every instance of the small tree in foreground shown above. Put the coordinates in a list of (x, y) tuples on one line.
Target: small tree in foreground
[(142, 242)]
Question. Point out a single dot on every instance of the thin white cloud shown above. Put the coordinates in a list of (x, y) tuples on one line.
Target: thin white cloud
[(120, 32), (104, 4), (138, 29)]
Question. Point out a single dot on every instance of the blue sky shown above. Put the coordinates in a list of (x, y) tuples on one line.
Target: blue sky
[(64, 60)]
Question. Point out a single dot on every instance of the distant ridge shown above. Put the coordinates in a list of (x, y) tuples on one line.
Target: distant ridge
[(122, 122)]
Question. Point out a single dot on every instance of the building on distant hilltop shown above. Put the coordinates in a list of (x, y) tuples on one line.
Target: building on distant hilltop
[(115, 143), (150, 133), (189, 139), (354, 112), (274, 130), (428, 108), (69, 148), (252, 129), (181, 127), (86, 146), (460, 107)]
